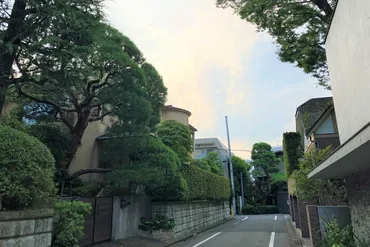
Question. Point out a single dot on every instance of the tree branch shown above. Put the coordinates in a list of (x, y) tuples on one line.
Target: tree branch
[(88, 171)]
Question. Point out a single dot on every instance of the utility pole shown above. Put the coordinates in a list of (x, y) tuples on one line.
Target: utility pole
[(231, 168), (242, 187)]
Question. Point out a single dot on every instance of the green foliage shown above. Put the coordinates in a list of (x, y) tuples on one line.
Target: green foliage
[(264, 158), (87, 189), (153, 165), (298, 29), (317, 189), (260, 209), (178, 137), (212, 163), (337, 236), (242, 168), (156, 223), (292, 151), (202, 164), (69, 222), (204, 185), (278, 182), (26, 170)]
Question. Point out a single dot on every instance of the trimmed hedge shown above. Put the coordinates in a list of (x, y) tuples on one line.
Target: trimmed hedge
[(26, 170), (264, 209), (203, 185), (291, 151)]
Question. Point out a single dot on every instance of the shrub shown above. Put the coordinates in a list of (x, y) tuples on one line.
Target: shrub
[(337, 236), (291, 151), (260, 209), (89, 189), (69, 222), (26, 170), (156, 223), (204, 185)]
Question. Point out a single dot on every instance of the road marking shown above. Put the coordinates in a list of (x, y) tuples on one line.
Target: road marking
[(275, 217), (272, 239), (236, 223), (245, 218), (205, 240)]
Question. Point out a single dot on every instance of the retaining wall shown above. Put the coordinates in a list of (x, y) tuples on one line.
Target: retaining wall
[(32, 228), (191, 217)]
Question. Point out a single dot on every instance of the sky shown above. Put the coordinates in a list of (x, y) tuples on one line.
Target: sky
[(214, 64)]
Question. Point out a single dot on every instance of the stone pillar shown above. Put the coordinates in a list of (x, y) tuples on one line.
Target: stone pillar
[(314, 225)]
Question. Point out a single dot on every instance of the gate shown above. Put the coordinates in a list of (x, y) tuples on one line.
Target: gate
[(98, 224)]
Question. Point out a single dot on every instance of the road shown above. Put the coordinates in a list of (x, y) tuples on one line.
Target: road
[(247, 231)]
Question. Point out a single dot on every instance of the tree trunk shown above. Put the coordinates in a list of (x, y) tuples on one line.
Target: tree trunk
[(324, 6), (10, 44)]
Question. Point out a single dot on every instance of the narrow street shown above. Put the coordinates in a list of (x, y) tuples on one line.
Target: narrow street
[(247, 231)]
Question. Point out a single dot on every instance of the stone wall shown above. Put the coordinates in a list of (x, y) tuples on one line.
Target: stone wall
[(31, 228), (191, 217), (358, 191)]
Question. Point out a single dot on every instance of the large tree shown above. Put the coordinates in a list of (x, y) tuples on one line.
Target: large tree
[(265, 163), (79, 79), (298, 27), (24, 21)]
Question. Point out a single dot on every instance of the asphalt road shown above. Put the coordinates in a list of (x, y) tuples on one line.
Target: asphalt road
[(247, 231)]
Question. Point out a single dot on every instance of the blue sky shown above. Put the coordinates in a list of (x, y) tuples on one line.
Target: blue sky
[(215, 64)]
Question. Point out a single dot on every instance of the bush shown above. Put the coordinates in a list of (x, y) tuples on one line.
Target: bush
[(260, 209), (337, 236), (156, 223), (69, 222), (26, 170), (204, 185), (88, 189)]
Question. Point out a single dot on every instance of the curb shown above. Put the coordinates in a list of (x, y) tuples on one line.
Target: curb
[(297, 232), (196, 233)]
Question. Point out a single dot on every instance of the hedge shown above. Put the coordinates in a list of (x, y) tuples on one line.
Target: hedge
[(291, 151), (260, 209), (203, 185), (26, 170)]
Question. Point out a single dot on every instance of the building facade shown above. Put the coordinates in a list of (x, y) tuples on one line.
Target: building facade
[(348, 53)]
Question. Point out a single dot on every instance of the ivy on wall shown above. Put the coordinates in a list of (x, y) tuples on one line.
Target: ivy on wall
[(292, 151)]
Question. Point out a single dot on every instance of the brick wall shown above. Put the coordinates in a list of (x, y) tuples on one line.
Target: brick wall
[(358, 191), (313, 225)]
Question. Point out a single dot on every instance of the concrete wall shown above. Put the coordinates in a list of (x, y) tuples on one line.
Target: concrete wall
[(127, 212), (191, 217), (358, 191), (26, 228), (348, 53)]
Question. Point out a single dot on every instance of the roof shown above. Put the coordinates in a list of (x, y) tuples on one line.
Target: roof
[(172, 108), (192, 128), (277, 149), (312, 110), (210, 142)]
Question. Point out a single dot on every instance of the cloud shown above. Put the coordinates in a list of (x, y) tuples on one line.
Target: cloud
[(185, 40)]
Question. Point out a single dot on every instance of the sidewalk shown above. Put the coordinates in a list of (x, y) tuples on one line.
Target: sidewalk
[(132, 242)]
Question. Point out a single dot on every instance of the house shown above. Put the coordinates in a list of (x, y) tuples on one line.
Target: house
[(203, 146), (316, 122), (348, 54)]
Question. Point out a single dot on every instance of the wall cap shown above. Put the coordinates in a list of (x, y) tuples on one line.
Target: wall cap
[(26, 214)]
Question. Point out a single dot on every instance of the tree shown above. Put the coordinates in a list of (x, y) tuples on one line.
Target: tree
[(298, 27), (177, 136), (24, 21), (79, 80), (242, 168), (154, 166), (265, 163), (211, 163), (324, 191)]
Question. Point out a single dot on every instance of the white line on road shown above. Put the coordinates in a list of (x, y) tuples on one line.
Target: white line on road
[(272, 239), (236, 223), (275, 217), (205, 240), (245, 218)]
